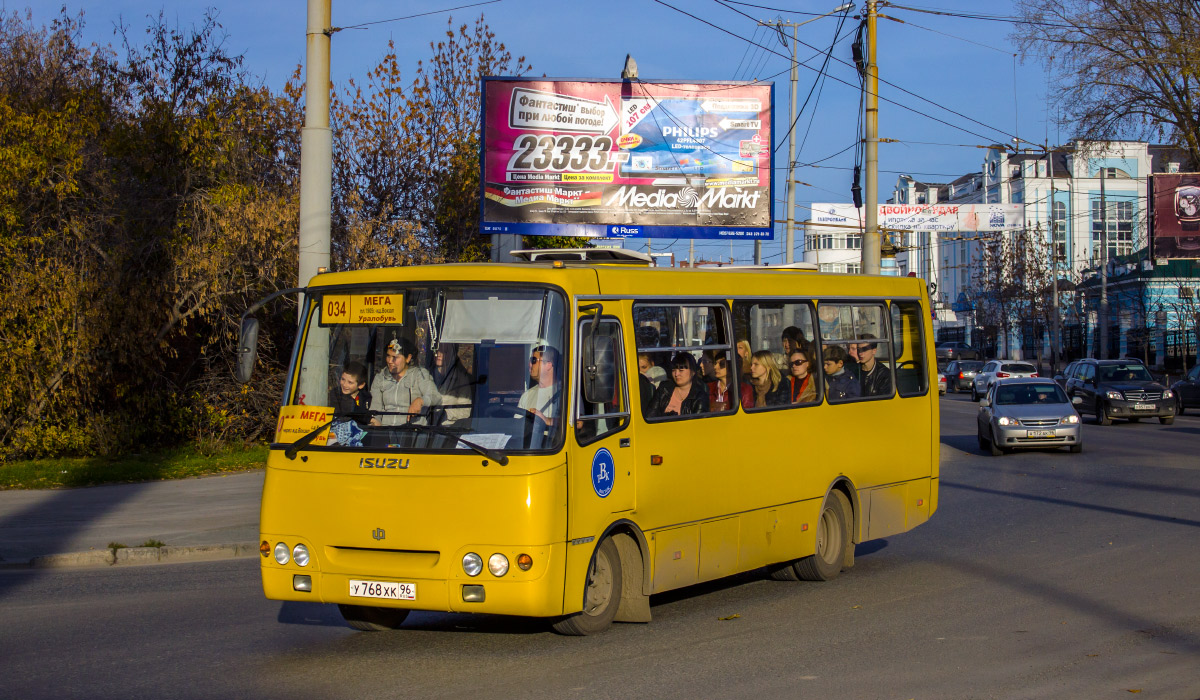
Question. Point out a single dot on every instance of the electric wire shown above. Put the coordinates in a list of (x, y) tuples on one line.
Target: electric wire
[(419, 14)]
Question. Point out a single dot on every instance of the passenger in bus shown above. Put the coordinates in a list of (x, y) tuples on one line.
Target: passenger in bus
[(649, 370), (543, 399), (840, 385), (802, 386), (719, 396), (402, 388), (351, 399), (874, 377), (767, 380), (453, 383), (792, 339), (744, 356), (685, 394)]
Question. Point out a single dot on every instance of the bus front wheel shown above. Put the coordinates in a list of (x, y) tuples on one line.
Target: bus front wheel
[(833, 537), (601, 595), (368, 619)]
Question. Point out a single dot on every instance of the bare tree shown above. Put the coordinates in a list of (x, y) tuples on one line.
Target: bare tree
[(1124, 68)]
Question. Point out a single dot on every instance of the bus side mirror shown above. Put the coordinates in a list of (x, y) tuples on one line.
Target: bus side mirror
[(600, 369), (247, 350)]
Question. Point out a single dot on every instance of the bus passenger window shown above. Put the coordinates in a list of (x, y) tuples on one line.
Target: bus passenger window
[(908, 341), (778, 334), (859, 333), (683, 351)]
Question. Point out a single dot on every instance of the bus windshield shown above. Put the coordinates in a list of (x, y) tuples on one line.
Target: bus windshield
[(429, 367)]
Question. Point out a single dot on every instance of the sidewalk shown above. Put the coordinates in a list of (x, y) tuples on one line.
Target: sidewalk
[(203, 518)]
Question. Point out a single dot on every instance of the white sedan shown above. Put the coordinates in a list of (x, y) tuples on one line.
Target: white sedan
[(999, 369)]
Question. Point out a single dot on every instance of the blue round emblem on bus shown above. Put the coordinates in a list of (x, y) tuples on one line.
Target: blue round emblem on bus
[(604, 472)]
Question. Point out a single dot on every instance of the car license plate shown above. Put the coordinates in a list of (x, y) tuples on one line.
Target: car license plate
[(1039, 433), (1143, 407), (390, 590)]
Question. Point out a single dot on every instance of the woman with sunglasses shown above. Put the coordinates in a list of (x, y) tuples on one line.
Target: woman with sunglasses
[(719, 398), (684, 394), (769, 389), (802, 385)]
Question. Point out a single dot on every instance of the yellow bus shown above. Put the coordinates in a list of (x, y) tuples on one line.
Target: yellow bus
[(564, 437)]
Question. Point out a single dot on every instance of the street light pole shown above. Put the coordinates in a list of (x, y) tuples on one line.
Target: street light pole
[(1103, 269)]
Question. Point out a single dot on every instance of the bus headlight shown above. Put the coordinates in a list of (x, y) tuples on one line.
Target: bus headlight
[(472, 564), (498, 564), (300, 555), (282, 555)]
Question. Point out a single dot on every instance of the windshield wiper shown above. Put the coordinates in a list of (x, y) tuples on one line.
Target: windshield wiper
[(495, 455)]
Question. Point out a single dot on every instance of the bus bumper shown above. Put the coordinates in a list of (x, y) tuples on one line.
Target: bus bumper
[(533, 593)]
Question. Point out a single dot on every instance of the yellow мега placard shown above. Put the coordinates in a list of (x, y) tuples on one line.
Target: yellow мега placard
[(377, 307)]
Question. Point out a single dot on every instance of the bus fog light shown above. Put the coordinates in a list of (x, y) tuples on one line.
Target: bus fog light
[(282, 555), (302, 582), (524, 562), (300, 555), (472, 564), (498, 564), (473, 594)]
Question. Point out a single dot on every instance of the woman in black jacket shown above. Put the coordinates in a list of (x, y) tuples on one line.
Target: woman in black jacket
[(685, 394)]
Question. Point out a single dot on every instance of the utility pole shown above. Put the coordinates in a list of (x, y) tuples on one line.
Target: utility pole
[(1054, 340), (1103, 268), (316, 146), (789, 253), (872, 242)]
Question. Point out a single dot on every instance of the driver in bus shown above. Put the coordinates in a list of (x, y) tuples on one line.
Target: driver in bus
[(402, 388), (542, 399)]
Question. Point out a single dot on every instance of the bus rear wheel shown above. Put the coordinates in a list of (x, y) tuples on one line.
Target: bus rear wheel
[(368, 619), (833, 537), (601, 596)]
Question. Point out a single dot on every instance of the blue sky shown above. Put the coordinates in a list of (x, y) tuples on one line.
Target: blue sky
[(963, 65)]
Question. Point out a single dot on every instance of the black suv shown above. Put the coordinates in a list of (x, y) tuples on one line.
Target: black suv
[(1118, 389)]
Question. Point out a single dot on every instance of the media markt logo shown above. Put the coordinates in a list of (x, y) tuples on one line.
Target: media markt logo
[(685, 198)]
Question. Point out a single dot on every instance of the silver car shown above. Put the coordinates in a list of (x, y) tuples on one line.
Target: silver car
[(1027, 412), (999, 369)]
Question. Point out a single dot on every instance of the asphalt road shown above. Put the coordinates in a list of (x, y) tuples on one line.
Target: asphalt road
[(1042, 575)]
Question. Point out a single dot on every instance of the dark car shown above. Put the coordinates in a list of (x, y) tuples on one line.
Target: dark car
[(1187, 391), (960, 374), (954, 350), (1119, 389)]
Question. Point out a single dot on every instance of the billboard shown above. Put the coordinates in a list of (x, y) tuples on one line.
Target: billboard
[(927, 217), (1175, 206), (626, 158)]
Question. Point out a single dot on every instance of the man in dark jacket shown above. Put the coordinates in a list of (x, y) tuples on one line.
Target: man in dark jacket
[(874, 377)]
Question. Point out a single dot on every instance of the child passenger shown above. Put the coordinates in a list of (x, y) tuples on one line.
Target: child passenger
[(352, 398)]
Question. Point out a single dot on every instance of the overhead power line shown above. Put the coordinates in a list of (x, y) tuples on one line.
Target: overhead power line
[(419, 14)]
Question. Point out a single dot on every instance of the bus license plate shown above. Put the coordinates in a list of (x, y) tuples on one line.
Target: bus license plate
[(1143, 407), (390, 590), (1039, 433)]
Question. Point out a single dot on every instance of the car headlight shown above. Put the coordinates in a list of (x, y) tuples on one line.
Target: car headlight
[(472, 564), (1070, 419), (282, 554), (1004, 420), (498, 564), (1116, 395), (1168, 394), (300, 555)]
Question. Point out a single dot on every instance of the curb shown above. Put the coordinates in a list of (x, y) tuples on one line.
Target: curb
[(137, 556)]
